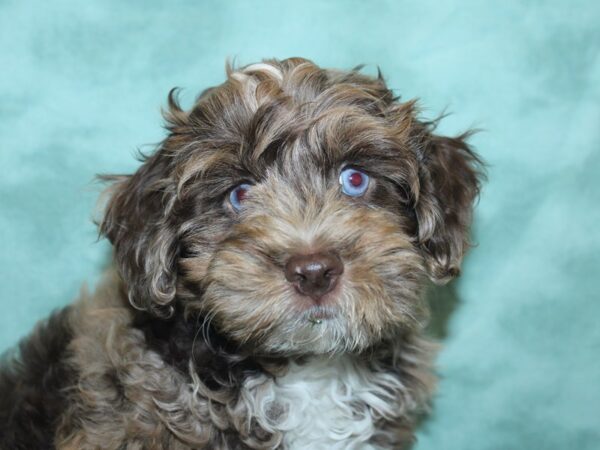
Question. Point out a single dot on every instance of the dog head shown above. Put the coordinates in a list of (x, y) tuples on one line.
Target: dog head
[(297, 209)]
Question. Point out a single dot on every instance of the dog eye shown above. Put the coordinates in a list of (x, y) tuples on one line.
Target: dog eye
[(354, 182), (237, 195)]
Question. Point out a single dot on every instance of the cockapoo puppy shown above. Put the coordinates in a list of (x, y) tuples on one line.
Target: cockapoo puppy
[(269, 265)]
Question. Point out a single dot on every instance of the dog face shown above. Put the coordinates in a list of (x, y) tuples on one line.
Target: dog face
[(297, 209)]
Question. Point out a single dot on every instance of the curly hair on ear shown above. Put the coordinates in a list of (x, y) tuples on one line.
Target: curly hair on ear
[(139, 224), (450, 175)]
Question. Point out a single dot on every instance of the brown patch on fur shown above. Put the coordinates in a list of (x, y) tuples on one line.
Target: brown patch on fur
[(34, 383), (126, 394)]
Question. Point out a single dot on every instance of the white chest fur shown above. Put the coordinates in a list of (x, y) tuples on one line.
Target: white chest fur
[(334, 404), (326, 403)]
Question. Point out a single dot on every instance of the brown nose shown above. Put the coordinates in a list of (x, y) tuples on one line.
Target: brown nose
[(314, 275)]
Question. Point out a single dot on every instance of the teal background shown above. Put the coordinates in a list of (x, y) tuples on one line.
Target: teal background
[(82, 82)]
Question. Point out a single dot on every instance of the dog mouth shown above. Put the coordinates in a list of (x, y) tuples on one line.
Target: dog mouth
[(318, 314)]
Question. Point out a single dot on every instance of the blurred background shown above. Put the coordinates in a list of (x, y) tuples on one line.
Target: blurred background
[(82, 83)]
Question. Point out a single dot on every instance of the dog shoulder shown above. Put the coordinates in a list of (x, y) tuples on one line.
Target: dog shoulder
[(34, 380)]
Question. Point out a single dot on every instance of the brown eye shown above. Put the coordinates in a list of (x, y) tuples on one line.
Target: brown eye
[(237, 195)]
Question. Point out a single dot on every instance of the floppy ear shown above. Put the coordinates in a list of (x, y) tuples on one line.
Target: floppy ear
[(139, 224), (449, 179)]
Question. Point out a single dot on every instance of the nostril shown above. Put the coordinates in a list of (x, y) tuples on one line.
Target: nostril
[(330, 273), (298, 277)]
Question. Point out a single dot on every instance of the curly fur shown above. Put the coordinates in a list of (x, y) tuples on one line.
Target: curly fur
[(196, 339)]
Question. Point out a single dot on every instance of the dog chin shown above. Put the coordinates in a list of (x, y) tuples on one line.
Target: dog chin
[(318, 330)]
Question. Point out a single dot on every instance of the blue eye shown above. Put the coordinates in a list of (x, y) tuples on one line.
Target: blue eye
[(236, 197), (354, 182)]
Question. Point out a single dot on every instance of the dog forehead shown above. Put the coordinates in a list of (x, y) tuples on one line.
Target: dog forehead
[(296, 116)]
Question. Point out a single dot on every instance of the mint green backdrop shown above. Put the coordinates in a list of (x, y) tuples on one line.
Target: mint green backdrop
[(81, 84)]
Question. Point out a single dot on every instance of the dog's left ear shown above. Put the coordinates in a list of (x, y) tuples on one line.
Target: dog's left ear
[(449, 180), (138, 221)]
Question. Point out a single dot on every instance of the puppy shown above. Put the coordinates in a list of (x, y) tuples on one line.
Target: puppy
[(269, 265)]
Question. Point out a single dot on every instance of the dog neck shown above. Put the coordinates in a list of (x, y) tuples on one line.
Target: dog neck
[(319, 401)]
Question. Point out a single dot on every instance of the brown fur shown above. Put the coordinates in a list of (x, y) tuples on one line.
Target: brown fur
[(216, 320)]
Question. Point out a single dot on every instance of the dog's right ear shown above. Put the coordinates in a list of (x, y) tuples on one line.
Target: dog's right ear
[(139, 223)]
